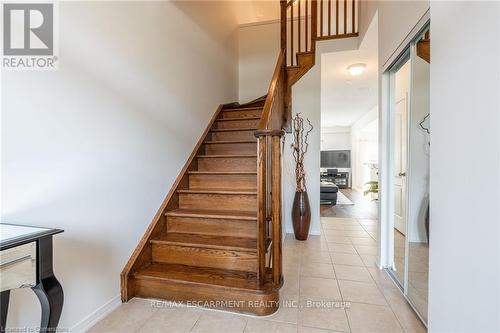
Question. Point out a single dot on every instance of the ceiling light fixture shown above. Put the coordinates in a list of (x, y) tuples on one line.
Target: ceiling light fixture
[(356, 69)]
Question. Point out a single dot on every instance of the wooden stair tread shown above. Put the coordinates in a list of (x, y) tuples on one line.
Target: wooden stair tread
[(233, 129), (244, 109), (215, 214), (199, 275), (207, 241), (225, 156), (239, 118), (230, 141), (222, 172), (218, 191)]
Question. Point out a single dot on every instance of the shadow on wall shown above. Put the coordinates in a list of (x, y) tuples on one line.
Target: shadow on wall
[(214, 17)]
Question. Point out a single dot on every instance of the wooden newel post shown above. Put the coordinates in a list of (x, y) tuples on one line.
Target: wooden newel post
[(261, 214), (276, 208)]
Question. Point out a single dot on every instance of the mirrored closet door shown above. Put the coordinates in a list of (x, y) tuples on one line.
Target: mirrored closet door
[(418, 177), (410, 143), (400, 100)]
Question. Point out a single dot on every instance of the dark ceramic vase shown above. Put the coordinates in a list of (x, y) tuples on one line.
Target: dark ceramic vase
[(301, 215)]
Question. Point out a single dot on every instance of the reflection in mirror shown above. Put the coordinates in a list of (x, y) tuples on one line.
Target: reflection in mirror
[(418, 178), (401, 105)]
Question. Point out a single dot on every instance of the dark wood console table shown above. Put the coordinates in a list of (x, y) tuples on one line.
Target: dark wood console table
[(26, 262)]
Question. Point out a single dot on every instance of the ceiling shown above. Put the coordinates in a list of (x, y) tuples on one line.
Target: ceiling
[(344, 98)]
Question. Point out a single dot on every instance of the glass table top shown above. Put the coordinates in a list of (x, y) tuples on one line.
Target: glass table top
[(10, 234)]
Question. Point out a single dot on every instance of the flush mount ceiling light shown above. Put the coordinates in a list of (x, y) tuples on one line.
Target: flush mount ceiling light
[(356, 69)]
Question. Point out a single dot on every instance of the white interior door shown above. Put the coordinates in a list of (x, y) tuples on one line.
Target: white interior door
[(400, 157)]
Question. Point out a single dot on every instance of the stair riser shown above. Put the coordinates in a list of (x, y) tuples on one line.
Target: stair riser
[(233, 135), (182, 292), (240, 114), (247, 123), (227, 164), (219, 201), (231, 149), (247, 182), (216, 227), (202, 257)]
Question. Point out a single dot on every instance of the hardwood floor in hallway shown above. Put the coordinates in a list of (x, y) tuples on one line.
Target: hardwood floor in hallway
[(363, 208)]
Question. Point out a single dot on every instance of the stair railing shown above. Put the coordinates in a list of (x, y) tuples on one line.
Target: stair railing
[(303, 22), (298, 28), (269, 133)]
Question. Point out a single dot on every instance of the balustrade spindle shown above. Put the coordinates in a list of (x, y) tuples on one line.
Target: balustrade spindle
[(291, 35), (337, 17), (307, 25), (353, 16), (329, 17), (345, 17), (321, 18), (298, 22)]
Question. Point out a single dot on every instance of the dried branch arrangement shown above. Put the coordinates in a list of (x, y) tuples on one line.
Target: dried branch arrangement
[(299, 149)]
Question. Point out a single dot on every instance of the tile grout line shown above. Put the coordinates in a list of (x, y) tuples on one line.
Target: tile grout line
[(341, 296), (196, 322), (385, 298)]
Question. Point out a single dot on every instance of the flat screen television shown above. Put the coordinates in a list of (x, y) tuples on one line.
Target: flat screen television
[(336, 159)]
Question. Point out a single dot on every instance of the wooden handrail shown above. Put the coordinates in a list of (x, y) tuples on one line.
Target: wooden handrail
[(268, 135), (272, 91)]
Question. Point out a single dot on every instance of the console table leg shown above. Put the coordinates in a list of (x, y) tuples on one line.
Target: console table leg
[(48, 289), (50, 294), (4, 304)]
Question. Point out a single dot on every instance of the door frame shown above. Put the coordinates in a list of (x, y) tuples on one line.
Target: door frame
[(391, 99)]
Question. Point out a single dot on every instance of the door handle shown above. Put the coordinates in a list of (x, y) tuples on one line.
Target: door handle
[(402, 174)]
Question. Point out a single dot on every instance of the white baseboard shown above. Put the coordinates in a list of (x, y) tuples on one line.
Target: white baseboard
[(86, 323)]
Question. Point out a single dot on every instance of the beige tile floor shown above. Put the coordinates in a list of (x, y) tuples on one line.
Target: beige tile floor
[(331, 277)]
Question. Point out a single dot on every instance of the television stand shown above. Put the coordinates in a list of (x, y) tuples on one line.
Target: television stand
[(341, 179)]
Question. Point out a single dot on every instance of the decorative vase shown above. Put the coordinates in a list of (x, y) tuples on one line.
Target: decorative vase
[(301, 215)]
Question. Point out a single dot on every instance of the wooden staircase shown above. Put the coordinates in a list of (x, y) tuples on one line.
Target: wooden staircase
[(202, 247), (216, 240)]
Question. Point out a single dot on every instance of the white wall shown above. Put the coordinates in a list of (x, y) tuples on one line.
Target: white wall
[(336, 138), (94, 147), (396, 20), (464, 281), (306, 99), (258, 52)]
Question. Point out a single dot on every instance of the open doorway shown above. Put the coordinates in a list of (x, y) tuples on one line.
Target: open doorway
[(349, 132)]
